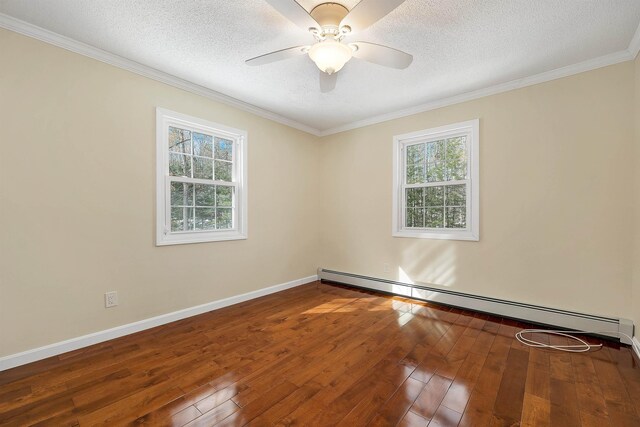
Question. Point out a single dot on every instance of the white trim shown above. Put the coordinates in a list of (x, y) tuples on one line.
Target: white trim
[(634, 45), (471, 129), (636, 347), (27, 29), (164, 236), (569, 70), (13, 360)]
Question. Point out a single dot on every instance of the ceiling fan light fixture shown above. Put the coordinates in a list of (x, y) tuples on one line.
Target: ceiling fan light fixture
[(330, 55)]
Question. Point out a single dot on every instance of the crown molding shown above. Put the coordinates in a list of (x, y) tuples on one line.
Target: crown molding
[(27, 29), (634, 44), (558, 73)]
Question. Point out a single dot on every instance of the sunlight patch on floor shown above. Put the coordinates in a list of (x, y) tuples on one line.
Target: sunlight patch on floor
[(338, 305)]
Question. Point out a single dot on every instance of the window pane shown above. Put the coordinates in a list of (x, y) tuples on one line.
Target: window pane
[(179, 140), (456, 162), (178, 222), (415, 164), (415, 173), (435, 151), (202, 168), (415, 217), (223, 218), (179, 165), (205, 195), (434, 196), (223, 171), (224, 196), (435, 172), (410, 217), (224, 149), (456, 218), (181, 194), (205, 219), (456, 195), (414, 197), (415, 153), (202, 145), (189, 218), (434, 218), (176, 219)]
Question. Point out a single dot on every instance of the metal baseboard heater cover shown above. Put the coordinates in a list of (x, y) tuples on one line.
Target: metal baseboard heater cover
[(515, 310)]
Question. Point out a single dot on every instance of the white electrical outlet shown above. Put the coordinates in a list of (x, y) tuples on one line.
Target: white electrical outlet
[(386, 267), (111, 299)]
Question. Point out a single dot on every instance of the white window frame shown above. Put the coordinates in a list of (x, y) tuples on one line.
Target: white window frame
[(470, 129), (164, 235)]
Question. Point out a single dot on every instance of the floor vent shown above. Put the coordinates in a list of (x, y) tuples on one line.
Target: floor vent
[(515, 310)]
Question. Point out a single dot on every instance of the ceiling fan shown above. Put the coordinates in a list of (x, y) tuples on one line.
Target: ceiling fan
[(330, 23)]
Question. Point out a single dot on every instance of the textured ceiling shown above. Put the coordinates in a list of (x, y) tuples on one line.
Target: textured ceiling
[(458, 46)]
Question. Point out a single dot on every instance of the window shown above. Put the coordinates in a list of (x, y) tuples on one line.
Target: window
[(436, 183), (201, 180)]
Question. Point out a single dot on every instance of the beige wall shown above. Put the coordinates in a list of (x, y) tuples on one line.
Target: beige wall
[(77, 191), (556, 200)]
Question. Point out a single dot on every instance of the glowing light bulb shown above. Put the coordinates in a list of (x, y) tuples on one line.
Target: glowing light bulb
[(330, 55)]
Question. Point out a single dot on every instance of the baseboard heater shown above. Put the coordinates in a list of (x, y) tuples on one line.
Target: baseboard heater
[(514, 310)]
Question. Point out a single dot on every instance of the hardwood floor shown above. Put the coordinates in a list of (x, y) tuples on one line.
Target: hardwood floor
[(325, 355)]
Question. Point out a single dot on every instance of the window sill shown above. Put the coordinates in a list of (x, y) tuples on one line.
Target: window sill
[(183, 239), (438, 235)]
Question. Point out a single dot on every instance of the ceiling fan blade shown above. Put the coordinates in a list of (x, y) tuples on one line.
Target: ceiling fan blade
[(295, 13), (327, 81), (382, 55), (278, 55), (368, 12)]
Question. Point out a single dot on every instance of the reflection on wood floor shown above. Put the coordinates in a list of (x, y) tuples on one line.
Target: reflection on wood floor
[(325, 355)]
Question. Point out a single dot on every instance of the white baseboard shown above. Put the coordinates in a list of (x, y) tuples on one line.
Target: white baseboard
[(54, 349)]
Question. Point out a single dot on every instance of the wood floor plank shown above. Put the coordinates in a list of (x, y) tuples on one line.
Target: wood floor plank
[(216, 415), (511, 392), (431, 396), (132, 407), (322, 354), (411, 419), (287, 405), (168, 417), (460, 391), (537, 382), (397, 406), (36, 412), (591, 400), (363, 388), (589, 420), (343, 380), (564, 403), (479, 409), (619, 403), (258, 406), (445, 417), (373, 399), (536, 411)]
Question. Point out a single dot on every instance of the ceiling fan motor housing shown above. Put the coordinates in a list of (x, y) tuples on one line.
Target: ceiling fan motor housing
[(329, 16)]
